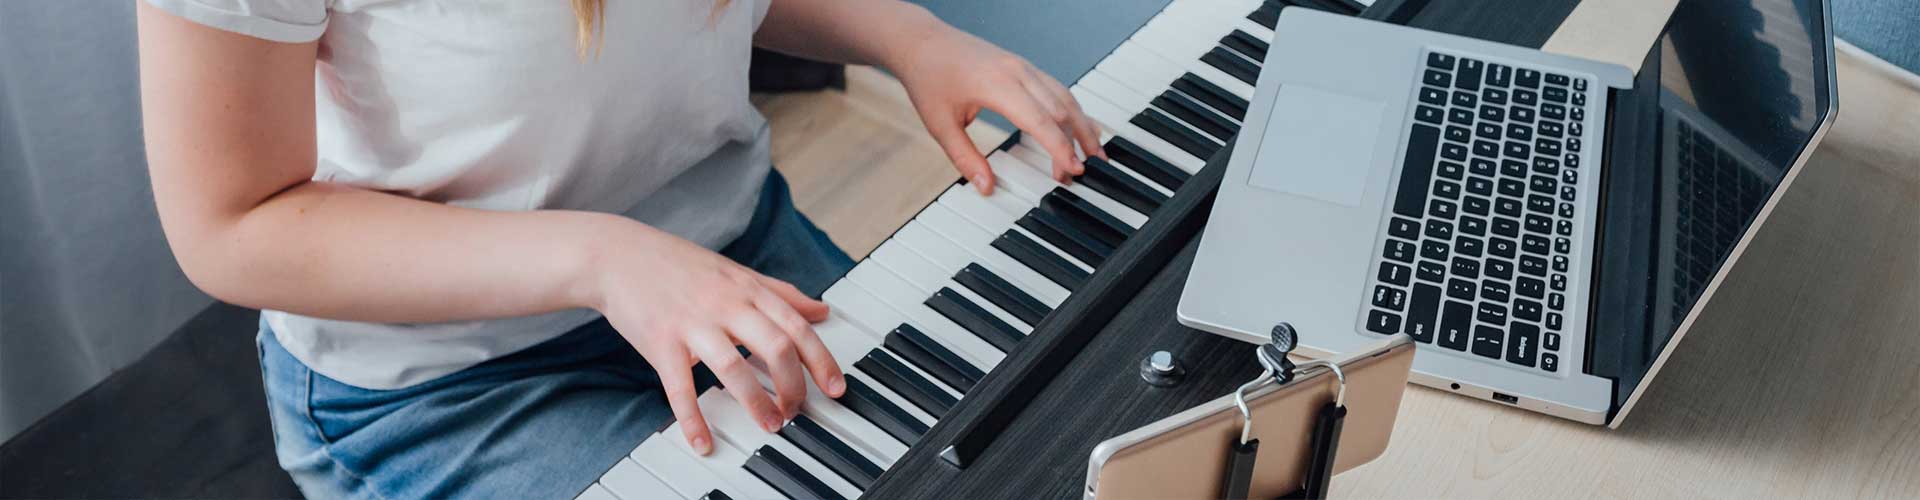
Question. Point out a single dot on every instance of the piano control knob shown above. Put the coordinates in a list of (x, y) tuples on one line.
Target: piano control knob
[(1160, 369)]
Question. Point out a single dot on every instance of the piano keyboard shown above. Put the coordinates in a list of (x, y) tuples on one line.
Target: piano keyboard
[(938, 305)]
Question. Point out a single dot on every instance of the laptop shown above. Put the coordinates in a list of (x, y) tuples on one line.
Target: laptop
[(1544, 227)]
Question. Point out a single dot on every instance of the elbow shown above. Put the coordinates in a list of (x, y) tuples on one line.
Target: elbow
[(211, 273)]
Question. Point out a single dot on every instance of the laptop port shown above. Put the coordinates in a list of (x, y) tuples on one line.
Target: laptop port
[(1506, 399)]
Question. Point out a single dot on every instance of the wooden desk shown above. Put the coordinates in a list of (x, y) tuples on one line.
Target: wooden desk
[(1802, 379)]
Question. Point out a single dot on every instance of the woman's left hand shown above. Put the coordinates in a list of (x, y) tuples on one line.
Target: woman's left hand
[(950, 75)]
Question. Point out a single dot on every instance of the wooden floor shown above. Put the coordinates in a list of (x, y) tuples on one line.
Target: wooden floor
[(1801, 379)]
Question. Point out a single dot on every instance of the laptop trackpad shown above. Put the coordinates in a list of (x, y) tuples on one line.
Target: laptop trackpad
[(1318, 144)]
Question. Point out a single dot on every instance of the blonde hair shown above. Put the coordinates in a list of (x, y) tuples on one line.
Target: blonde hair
[(590, 20)]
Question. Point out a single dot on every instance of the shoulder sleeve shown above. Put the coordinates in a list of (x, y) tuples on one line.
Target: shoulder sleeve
[(291, 21)]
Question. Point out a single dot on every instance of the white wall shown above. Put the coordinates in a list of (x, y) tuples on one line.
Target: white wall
[(86, 281)]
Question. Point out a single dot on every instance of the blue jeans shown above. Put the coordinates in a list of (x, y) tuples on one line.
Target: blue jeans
[(540, 423)]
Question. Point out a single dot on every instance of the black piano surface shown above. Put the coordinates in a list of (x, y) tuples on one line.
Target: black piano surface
[(1027, 429)]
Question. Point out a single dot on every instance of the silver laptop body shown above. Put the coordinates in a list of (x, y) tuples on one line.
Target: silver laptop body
[(1314, 223)]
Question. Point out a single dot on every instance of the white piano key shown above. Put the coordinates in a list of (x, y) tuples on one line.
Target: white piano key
[(907, 301), (1034, 156), (1190, 34), (1034, 177), (1098, 83), (1116, 119), (732, 422), (921, 273), (879, 317), (628, 481), (975, 210), (1226, 14), (941, 235), (1152, 66), (666, 456), (597, 492), (726, 459)]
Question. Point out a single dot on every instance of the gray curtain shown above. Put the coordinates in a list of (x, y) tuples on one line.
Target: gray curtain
[(87, 284)]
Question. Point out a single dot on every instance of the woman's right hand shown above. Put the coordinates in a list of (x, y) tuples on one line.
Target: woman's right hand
[(678, 303)]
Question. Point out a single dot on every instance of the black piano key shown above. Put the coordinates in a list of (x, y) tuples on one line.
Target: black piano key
[(875, 408), (1064, 236), (975, 319), (1126, 189), (1029, 253), (787, 477), (715, 495), (1232, 64), (1416, 171), (1267, 15), (1252, 46), (830, 451), (1204, 91), (1178, 134), (1196, 115), (1002, 293), (895, 375), (933, 358), (1090, 219), (1145, 163)]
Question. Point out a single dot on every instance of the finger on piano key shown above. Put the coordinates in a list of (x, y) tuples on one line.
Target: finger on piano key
[(732, 422), (1021, 172), (627, 481), (1119, 121), (667, 456), (850, 350), (1144, 185), (883, 449), (1190, 115), (858, 300), (905, 300), (831, 451), (972, 208), (941, 235), (923, 274), (597, 492)]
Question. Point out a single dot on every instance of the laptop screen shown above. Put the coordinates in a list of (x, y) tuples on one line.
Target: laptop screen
[(1742, 88)]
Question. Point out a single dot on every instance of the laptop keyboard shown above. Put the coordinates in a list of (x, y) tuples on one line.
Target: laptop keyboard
[(1479, 240)]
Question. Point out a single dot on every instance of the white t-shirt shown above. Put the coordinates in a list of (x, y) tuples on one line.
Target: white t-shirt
[(487, 104)]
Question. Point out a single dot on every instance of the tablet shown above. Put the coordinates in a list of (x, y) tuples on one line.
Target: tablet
[(1185, 455)]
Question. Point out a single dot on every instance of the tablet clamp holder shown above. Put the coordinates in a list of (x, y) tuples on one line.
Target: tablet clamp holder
[(1326, 428)]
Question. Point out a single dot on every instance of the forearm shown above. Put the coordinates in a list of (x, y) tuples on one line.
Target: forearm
[(869, 32), (331, 251)]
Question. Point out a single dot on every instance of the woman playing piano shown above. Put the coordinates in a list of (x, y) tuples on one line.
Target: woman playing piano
[(492, 239)]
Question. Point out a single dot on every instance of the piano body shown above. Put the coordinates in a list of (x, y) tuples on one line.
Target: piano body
[(991, 342)]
